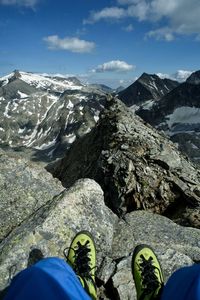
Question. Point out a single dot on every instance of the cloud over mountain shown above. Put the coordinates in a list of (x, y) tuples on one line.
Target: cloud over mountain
[(113, 66), (72, 44), (180, 75)]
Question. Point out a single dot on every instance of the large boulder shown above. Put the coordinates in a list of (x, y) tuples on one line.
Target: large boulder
[(53, 226), (24, 188), (137, 167)]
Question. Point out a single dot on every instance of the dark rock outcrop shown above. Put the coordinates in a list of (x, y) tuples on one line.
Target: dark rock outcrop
[(136, 166)]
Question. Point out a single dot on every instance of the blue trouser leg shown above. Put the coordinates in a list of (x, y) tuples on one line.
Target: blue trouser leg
[(51, 278), (183, 284)]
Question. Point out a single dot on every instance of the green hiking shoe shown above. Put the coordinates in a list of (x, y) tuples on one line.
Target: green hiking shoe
[(147, 273), (82, 258)]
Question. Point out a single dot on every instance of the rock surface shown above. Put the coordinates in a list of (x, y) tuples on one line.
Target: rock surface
[(53, 226), (137, 167), (174, 245), (24, 188)]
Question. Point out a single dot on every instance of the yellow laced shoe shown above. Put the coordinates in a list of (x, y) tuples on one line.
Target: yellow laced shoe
[(147, 273), (82, 258)]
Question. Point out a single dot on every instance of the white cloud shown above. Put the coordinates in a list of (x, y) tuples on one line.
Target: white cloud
[(180, 75), (139, 10), (128, 28), (163, 75), (180, 16), (26, 3), (164, 33), (106, 14), (72, 44), (113, 66)]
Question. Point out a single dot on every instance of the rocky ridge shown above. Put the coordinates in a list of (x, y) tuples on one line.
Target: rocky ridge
[(137, 167)]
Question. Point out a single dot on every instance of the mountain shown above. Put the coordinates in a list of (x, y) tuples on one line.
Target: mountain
[(147, 87), (119, 89), (194, 78), (101, 87), (178, 115), (46, 113)]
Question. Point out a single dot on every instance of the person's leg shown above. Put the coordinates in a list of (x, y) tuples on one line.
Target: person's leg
[(147, 273), (184, 284), (50, 278), (82, 258)]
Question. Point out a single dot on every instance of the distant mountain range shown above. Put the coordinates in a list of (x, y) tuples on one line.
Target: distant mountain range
[(48, 113)]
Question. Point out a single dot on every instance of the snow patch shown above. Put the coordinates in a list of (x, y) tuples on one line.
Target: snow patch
[(96, 118), (148, 104), (21, 130), (43, 82), (6, 111), (70, 138), (70, 104), (47, 145), (184, 115), (22, 95)]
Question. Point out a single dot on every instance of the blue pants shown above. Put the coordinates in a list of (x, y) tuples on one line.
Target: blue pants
[(49, 279), (54, 279), (183, 284)]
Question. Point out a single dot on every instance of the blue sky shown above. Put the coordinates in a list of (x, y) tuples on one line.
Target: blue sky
[(107, 41)]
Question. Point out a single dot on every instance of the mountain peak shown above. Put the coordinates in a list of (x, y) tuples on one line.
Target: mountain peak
[(146, 87), (194, 78)]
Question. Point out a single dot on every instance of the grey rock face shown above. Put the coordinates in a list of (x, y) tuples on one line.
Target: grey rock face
[(24, 188), (136, 166), (52, 228), (156, 231)]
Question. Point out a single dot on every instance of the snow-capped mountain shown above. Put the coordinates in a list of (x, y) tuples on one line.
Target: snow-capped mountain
[(147, 89), (178, 115), (46, 113)]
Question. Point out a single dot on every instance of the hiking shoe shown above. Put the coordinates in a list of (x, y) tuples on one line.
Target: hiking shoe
[(82, 258), (147, 273)]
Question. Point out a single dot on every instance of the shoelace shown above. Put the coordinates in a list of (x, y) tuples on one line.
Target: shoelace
[(149, 279), (82, 260)]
